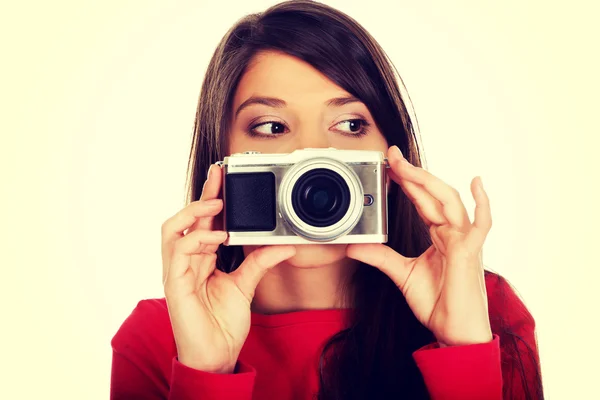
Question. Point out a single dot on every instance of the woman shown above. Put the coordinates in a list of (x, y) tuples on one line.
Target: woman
[(416, 318)]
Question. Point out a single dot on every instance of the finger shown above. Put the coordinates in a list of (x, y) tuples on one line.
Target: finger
[(174, 227), (209, 248), (188, 245), (382, 257), (211, 190), (452, 205), (212, 185), (429, 209), (482, 221), (255, 266)]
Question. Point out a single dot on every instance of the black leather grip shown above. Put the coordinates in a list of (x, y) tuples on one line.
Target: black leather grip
[(250, 201)]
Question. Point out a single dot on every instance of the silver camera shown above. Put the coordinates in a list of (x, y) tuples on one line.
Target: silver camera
[(307, 196)]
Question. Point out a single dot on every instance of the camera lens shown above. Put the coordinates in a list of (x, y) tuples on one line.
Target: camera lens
[(321, 197)]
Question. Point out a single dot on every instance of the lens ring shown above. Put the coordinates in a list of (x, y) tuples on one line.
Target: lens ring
[(315, 233), (321, 197)]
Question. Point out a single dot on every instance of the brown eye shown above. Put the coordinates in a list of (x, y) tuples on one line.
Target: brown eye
[(268, 128), (353, 126)]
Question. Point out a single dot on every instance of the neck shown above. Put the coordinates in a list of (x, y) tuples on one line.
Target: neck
[(288, 288)]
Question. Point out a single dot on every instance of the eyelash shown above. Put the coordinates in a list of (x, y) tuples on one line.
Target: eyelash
[(362, 132)]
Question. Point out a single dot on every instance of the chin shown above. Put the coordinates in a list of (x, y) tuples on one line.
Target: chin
[(316, 255), (313, 255)]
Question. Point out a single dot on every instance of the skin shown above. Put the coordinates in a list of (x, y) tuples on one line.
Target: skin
[(210, 310)]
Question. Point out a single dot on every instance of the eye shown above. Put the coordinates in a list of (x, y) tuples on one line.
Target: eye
[(353, 127), (268, 128)]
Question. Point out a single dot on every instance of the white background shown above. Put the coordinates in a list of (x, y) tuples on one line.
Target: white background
[(97, 106)]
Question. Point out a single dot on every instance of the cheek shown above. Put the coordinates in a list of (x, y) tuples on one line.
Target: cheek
[(236, 142)]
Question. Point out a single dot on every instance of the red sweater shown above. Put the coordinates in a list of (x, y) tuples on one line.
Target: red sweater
[(279, 359)]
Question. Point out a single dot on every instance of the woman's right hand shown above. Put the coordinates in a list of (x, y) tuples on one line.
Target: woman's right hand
[(209, 309)]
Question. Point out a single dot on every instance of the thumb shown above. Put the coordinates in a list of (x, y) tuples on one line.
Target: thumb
[(382, 257), (255, 266)]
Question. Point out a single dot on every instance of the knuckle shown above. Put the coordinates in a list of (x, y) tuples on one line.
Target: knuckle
[(483, 200), (260, 258), (488, 225), (197, 203)]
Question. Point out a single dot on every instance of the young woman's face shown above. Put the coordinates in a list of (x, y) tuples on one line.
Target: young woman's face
[(283, 104)]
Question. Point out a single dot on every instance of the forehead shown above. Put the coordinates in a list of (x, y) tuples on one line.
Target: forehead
[(281, 75)]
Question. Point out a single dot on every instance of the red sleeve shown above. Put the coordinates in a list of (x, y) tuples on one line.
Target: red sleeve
[(462, 372), (505, 368), (191, 384), (145, 365)]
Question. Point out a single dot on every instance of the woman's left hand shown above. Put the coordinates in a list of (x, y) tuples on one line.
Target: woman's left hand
[(445, 286)]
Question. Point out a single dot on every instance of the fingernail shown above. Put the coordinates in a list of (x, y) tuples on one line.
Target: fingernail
[(480, 183), (209, 170)]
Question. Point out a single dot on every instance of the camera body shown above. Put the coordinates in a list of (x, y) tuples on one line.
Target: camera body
[(308, 196)]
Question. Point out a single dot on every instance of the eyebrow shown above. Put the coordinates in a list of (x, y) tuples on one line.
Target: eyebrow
[(278, 103)]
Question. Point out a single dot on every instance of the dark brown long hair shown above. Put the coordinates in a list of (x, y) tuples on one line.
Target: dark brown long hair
[(373, 357)]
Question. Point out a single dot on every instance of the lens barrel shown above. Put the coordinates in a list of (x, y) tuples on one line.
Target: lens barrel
[(321, 197)]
